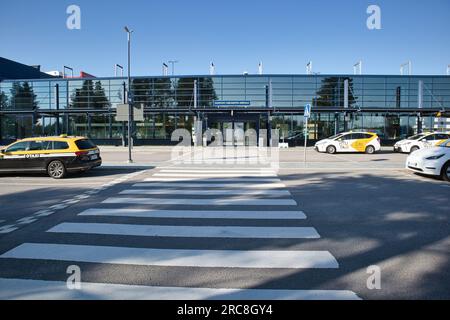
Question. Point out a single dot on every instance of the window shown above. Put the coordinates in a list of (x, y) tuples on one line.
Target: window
[(60, 145), (19, 146), (431, 137), (38, 145), (367, 136), (442, 136), (358, 136), (347, 137), (85, 144)]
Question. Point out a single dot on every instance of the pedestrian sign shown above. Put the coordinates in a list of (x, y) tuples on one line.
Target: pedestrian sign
[(307, 113)]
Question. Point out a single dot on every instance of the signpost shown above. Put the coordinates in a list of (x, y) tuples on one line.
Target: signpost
[(306, 115)]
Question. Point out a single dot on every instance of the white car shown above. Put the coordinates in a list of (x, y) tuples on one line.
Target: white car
[(420, 141), (433, 161), (367, 142)]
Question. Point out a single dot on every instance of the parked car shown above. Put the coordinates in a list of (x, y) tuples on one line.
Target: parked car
[(434, 161), (420, 141), (360, 141)]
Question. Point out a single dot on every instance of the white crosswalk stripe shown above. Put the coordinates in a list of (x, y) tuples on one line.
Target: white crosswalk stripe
[(173, 257), (57, 290), (191, 232), (176, 178), (223, 192), (214, 175), (232, 189), (196, 214), (206, 171), (237, 201), (176, 184)]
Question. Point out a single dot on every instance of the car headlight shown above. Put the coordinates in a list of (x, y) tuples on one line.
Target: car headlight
[(435, 157)]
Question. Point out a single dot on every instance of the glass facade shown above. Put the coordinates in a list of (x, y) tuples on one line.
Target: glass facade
[(388, 105)]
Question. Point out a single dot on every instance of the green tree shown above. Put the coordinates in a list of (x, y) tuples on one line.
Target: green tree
[(163, 94), (331, 92), (185, 92), (141, 91), (82, 98), (3, 100), (23, 97), (207, 93), (100, 100)]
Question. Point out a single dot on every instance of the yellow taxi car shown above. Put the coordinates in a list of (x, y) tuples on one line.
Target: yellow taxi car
[(55, 155), (359, 141)]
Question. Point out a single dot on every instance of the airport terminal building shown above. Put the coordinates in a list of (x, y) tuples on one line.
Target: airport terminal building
[(392, 106)]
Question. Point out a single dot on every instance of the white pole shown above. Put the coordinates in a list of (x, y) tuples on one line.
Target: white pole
[(346, 93), (260, 68), (448, 70), (420, 95), (195, 94), (270, 94), (212, 69)]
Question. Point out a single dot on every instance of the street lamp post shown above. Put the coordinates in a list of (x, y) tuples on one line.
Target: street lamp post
[(406, 64), (64, 71), (129, 97), (172, 62), (118, 66)]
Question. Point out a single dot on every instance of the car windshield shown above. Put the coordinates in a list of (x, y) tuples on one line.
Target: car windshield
[(445, 144), (335, 136), (417, 136)]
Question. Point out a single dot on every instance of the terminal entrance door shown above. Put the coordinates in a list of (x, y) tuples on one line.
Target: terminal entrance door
[(234, 129)]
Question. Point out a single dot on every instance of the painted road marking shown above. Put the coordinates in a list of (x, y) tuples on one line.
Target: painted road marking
[(59, 206), (174, 257), (20, 289), (8, 228), (219, 170), (242, 201), (198, 179), (44, 213), (213, 175), (26, 220), (211, 185), (196, 214), (203, 192), (188, 231)]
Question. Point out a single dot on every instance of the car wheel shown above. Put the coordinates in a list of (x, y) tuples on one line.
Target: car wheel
[(414, 149), (370, 149), (446, 172), (331, 149), (56, 169)]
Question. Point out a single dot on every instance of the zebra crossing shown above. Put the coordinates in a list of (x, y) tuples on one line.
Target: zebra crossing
[(180, 204)]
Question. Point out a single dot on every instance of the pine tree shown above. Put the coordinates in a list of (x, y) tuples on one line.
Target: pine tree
[(23, 97), (331, 93)]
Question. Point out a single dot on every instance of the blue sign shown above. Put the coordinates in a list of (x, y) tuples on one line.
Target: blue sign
[(307, 112), (231, 103), (130, 98)]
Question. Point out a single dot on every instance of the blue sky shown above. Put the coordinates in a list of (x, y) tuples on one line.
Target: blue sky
[(236, 35)]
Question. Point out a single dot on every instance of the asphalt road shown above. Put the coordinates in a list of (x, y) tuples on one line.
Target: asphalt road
[(188, 232)]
